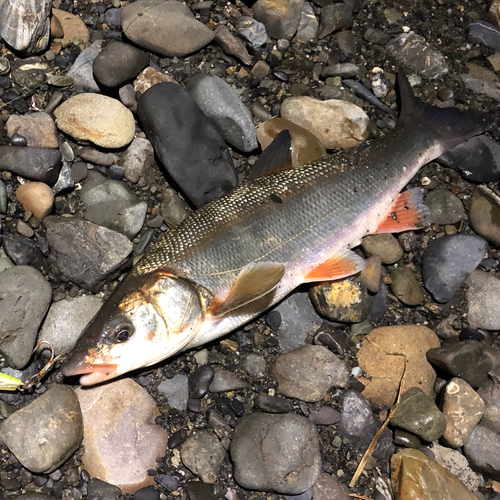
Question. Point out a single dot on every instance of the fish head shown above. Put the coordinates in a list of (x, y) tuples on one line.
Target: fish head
[(145, 320)]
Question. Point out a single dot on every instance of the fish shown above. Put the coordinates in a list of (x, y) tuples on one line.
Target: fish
[(240, 254)]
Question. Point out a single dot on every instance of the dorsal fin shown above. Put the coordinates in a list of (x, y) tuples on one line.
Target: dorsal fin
[(275, 158)]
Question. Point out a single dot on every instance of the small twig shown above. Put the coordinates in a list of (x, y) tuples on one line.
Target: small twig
[(359, 496), (374, 442)]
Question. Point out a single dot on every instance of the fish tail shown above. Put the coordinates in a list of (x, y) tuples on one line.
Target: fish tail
[(449, 126)]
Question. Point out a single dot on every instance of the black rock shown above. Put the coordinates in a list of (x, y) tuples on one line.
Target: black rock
[(170, 483), (18, 140), (36, 164), (484, 33), (335, 17), (148, 493), (116, 172), (24, 252), (272, 404), (273, 320), (187, 143), (118, 63), (448, 261), (478, 159), (199, 381), (482, 450), (176, 439), (15, 101), (100, 490), (463, 359), (198, 491), (406, 439)]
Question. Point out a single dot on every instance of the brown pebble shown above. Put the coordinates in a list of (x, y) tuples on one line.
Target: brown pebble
[(36, 197)]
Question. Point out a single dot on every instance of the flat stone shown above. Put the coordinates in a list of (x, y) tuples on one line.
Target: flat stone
[(202, 453), (191, 149), (36, 164), (255, 365), (260, 463), (85, 253), (482, 450), (337, 124), (406, 287), (489, 392), (463, 359), (335, 17), (66, 321), (444, 206), (225, 381), (328, 487), (36, 197), (414, 475), (484, 214), (382, 357), (484, 33), (122, 415), (25, 297), (118, 63), (272, 404), (413, 52), (96, 118), (175, 390), (46, 432), (386, 246), (39, 129), (103, 491), (307, 373), (149, 77), (481, 86), (81, 72), (167, 28), (199, 381), (73, 27), (251, 30), (448, 262), (220, 102), (232, 45), (308, 25), (483, 297), (372, 273), (280, 17)]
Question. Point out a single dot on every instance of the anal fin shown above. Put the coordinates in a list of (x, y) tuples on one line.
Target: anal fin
[(408, 212), (254, 281), (339, 266)]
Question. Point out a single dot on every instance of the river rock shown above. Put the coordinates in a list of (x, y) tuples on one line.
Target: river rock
[(191, 148), (260, 464), (489, 392), (308, 25), (202, 453), (280, 17), (220, 102), (81, 72), (74, 29), (175, 389), (36, 164), (112, 204), (414, 475), (484, 214), (381, 358), (448, 261), (232, 45), (167, 28), (26, 24), (328, 487), (46, 432), (307, 373), (138, 161), (462, 409), (335, 17), (484, 33), (483, 297), (386, 246), (118, 63), (406, 287), (482, 450), (36, 197), (337, 124), (253, 31), (66, 321), (225, 380), (39, 129), (305, 148), (122, 415), (149, 77), (96, 118), (24, 299), (83, 252), (413, 52), (444, 206)]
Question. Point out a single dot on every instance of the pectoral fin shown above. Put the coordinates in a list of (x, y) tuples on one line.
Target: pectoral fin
[(339, 266), (408, 212), (254, 281)]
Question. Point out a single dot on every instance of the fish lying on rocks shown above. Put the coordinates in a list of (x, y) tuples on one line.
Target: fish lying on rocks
[(240, 254)]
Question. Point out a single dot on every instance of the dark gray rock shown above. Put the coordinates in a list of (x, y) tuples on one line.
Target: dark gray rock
[(484, 33), (225, 381), (412, 52), (335, 17), (418, 414), (24, 299), (478, 159), (357, 423), (45, 433), (463, 359), (85, 253), (444, 206), (328, 487), (65, 180), (483, 451), (326, 415), (448, 261), (96, 157), (112, 204), (199, 381), (112, 17), (252, 31), (148, 493), (175, 390), (81, 71), (222, 104), (3, 198), (36, 164), (490, 394), (100, 490), (483, 296), (377, 37), (187, 143), (406, 439), (170, 483), (255, 365), (272, 404), (24, 252), (199, 491), (308, 25), (118, 63), (276, 453)]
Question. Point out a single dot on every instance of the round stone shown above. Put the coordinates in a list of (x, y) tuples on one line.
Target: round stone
[(36, 197)]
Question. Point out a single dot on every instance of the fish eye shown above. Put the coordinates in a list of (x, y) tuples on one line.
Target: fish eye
[(121, 329)]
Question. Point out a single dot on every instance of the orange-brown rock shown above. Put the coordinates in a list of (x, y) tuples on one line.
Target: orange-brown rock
[(36, 197)]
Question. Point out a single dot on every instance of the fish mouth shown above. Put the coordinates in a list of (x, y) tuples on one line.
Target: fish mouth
[(92, 373)]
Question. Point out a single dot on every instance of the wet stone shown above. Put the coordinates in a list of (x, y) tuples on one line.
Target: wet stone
[(280, 17), (445, 207), (170, 483), (448, 262), (203, 171), (328, 487), (483, 297), (101, 490), (176, 391), (489, 392), (37, 164), (290, 468), (172, 208), (232, 45), (252, 31), (255, 365), (335, 17), (482, 450), (307, 373), (96, 157), (138, 160), (406, 287), (386, 246), (377, 37), (202, 453), (462, 409), (406, 439), (199, 381), (484, 33), (418, 414), (197, 490), (272, 404), (463, 359), (225, 381), (372, 273), (484, 214)]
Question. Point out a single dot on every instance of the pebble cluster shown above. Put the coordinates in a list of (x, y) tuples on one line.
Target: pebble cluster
[(118, 119)]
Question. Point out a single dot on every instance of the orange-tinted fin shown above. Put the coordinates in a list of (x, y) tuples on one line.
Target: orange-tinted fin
[(339, 266), (408, 212), (254, 281), (275, 158)]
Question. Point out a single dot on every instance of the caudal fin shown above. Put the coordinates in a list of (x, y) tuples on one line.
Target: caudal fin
[(450, 126)]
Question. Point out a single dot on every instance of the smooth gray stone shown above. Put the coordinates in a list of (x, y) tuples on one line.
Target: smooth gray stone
[(176, 391), (3, 198), (484, 33), (357, 423), (482, 450), (82, 72), (36, 164)]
